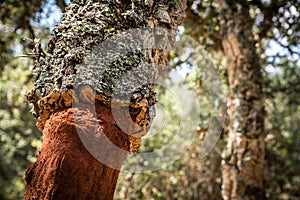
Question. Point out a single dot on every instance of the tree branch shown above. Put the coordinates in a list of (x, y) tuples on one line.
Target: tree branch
[(61, 4)]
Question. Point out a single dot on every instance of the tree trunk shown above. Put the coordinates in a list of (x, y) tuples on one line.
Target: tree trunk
[(65, 169), (90, 116), (243, 158)]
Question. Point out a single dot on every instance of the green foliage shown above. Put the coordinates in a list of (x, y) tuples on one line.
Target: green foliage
[(15, 23), (191, 176), (19, 138), (282, 124)]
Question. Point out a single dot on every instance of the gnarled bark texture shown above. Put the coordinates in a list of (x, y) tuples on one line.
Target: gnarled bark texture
[(243, 158), (90, 93)]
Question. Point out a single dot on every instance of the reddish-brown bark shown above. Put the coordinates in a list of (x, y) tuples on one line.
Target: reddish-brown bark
[(65, 169)]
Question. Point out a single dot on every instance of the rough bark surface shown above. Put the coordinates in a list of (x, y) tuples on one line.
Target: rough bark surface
[(243, 158), (68, 90), (62, 76), (65, 169)]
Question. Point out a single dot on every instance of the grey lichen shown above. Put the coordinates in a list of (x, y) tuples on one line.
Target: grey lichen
[(93, 52)]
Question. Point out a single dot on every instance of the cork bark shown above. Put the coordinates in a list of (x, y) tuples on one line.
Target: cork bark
[(243, 158), (79, 103), (65, 169)]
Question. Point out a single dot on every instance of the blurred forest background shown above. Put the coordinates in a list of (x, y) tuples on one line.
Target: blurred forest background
[(276, 30)]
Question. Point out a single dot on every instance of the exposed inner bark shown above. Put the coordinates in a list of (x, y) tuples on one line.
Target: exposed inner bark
[(65, 169)]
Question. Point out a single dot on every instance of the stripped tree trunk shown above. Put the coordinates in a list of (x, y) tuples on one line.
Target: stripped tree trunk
[(79, 103), (243, 158)]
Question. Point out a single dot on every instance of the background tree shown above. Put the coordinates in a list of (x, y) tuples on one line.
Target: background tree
[(239, 29), (243, 158)]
